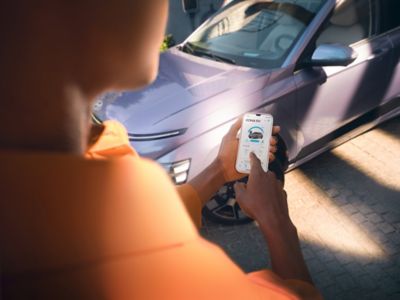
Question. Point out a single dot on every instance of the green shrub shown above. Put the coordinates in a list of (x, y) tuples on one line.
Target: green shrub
[(167, 43)]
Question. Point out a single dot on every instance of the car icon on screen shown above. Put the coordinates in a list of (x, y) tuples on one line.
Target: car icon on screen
[(255, 135)]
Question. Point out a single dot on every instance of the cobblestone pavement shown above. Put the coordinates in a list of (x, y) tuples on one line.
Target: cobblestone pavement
[(346, 206)]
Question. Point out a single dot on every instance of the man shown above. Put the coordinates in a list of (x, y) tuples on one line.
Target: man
[(111, 227)]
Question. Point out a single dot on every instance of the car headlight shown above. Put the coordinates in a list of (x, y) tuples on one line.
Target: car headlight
[(155, 136), (179, 171)]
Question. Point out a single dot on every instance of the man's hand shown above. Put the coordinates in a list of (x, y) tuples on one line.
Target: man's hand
[(263, 197), (222, 169), (228, 150)]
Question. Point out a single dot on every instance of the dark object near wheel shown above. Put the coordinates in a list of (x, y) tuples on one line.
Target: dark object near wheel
[(223, 208)]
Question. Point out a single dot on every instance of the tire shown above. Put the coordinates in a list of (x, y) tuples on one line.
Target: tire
[(223, 208)]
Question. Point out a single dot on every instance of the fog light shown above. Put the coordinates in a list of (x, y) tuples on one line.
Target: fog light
[(179, 171), (180, 178)]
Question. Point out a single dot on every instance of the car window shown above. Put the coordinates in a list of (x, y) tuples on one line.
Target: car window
[(351, 22), (255, 33), (390, 15)]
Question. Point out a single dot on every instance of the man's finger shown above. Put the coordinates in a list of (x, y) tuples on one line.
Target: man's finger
[(240, 189), (276, 129), (255, 165), (272, 176), (235, 127), (271, 157), (273, 141)]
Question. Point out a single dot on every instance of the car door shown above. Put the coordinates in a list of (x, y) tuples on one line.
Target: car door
[(390, 26), (330, 98)]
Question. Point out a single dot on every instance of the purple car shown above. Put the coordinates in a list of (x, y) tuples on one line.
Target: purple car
[(326, 70)]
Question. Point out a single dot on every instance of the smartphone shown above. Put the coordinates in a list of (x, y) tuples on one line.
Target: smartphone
[(255, 135)]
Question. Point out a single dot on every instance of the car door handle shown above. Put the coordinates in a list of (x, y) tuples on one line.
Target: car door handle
[(378, 53)]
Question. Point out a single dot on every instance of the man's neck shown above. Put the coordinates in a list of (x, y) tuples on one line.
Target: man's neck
[(57, 120)]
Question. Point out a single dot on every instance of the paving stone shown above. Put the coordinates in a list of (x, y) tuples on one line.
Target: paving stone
[(341, 200), (380, 208), (346, 192), (382, 238), (389, 285), (349, 295), (332, 192), (324, 280), (354, 268), (307, 253), (391, 249), (392, 217), (394, 237), (346, 282), (365, 209), (374, 218), (371, 227), (349, 208), (326, 256), (335, 268), (330, 293), (386, 227), (315, 265), (379, 295), (359, 217)]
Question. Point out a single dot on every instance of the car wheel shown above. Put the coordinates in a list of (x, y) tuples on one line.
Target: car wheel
[(223, 207)]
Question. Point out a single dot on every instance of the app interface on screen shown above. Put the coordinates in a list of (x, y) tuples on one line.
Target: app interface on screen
[(255, 135)]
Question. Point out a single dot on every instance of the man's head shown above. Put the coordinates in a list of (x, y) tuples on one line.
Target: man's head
[(94, 42), (57, 55)]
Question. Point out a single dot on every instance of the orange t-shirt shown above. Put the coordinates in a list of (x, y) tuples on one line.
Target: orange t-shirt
[(74, 228), (114, 142)]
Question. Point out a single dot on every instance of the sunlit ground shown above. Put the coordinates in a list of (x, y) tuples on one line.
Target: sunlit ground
[(332, 225), (326, 225)]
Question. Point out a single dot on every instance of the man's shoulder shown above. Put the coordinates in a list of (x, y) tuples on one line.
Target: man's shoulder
[(126, 205), (109, 139)]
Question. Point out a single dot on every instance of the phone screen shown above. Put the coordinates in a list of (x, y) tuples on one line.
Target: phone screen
[(254, 137)]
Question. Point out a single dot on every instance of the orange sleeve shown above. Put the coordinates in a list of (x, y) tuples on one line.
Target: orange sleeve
[(302, 289), (113, 141), (192, 202)]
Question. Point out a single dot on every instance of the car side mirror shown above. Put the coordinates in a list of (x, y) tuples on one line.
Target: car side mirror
[(332, 55)]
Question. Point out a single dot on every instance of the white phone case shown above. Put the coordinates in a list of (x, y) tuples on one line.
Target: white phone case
[(255, 135)]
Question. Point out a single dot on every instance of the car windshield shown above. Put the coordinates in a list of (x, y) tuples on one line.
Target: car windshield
[(253, 33)]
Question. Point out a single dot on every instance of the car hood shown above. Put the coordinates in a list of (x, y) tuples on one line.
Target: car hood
[(187, 90), (183, 82)]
